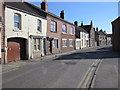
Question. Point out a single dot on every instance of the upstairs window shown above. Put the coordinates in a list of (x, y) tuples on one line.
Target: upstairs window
[(64, 28), (39, 25), (17, 21), (71, 30), (53, 26)]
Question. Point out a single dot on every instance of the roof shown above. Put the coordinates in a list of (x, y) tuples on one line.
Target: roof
[(30, 8), (109, 35), (78, 30), (52, 14), (97, 32), (87, 27), (116, 19), (26, 7), (102, 33)]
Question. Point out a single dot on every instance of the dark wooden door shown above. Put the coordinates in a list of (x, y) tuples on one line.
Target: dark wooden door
[(13, 53), (50, 47)]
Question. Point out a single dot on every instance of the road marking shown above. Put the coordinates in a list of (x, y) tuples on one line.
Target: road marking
[(116, 70), (92, 84), (88, 76)]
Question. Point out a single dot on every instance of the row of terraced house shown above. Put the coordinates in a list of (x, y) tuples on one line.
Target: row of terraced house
[(29, 31)]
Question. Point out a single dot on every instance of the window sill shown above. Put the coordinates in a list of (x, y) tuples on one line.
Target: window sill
[(36, 51), (72, 34), (39, 32), (64, 46), (53, 31), (17, 30), (70, 46), (64, 33)]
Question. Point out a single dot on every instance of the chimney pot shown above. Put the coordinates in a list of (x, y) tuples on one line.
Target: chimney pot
[(76, 23), (44, 5), (62, 14), (97, 29)]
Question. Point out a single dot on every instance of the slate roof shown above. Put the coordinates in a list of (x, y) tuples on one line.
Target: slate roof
[(55, 16), (87, 27), (78, 30), (27, 8), (109, 35), (101, 33), (116, 19), (30, 8)]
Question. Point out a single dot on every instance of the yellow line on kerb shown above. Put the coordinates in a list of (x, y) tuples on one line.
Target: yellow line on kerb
[(83, 83)]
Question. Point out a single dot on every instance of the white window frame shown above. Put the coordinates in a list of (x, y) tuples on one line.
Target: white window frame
[(53, 26), (71, 45), (64, 28), (39, 25), (37, 44), (54, 46), (17, 22), (71, 31), (62, 42)]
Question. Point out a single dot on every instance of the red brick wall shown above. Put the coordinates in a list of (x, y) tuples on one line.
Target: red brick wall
[(59, 34), (55, 35), (2, 30)]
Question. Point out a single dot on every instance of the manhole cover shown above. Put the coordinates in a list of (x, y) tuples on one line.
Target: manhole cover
[(70, 63)]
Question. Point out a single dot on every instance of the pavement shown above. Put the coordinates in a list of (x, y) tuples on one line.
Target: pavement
[(17, 64), (107, 74), (92, 67)]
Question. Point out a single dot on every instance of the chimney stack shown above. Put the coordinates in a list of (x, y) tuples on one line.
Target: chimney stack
[(97, 29), (76, 23), (81, 23), (44, 5), (62, 14), (91, 23)]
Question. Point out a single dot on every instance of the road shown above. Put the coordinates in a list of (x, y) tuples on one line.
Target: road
[(67, 71)]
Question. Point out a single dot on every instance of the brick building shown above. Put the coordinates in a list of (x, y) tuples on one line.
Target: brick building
[(60, 33), (102, 38), (116, 34), (2, 30)]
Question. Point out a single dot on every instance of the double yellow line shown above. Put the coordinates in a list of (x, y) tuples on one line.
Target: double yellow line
[(88, 77)]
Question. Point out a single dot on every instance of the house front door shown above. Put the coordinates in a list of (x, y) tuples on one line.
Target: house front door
[(50, 46)]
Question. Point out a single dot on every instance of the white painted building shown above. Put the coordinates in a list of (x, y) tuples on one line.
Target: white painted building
[(25, 31), (82, 38)]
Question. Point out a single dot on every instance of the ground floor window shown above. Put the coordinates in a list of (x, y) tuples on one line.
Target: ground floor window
[(37, 43), (64, 42), (71, 43), (55, 43), (77, 43)]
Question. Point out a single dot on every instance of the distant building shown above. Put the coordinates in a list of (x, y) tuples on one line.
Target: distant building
[(116, 34), (109, 39), (91, 31), (102, 38), (82, 37), (97, 37)]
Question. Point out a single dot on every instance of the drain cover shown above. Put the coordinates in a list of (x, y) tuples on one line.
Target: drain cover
[(70, 63)]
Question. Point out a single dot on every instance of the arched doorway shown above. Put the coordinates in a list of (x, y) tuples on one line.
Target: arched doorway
[(16, 49)]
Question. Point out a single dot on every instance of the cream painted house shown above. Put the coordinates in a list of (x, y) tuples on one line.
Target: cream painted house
[(25, 31), (82, 38)]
